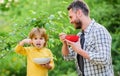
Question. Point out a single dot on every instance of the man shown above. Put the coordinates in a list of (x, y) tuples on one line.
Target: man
[(92, 51)]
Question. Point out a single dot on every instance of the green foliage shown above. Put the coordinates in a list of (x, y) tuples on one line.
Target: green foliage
[(5, 5), (110, 18), (22, 16), (12, 65)]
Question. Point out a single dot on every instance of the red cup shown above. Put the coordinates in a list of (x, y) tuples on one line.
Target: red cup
[(73, 38)]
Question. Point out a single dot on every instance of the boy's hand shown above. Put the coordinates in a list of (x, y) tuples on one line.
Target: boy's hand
[(47, 65), (25, 41)]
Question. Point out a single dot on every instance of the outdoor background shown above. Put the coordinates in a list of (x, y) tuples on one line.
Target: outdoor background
[(18, 17)]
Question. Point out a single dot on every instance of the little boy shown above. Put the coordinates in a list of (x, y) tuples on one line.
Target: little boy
[(38, 40)]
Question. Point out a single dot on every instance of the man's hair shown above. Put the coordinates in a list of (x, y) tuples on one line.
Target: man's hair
[(78, 4), (38, 31)]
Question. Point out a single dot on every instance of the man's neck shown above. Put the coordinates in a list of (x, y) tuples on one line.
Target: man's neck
[(86, 22)]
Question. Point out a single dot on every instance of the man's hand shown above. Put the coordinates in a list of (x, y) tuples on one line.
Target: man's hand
[(76, 46), (62, 37)]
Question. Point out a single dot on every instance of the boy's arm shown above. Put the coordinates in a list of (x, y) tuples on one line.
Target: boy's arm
[(50, 65), (20, 49), (25, 41)]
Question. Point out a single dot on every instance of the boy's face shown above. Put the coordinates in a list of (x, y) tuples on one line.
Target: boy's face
[(38, 41)]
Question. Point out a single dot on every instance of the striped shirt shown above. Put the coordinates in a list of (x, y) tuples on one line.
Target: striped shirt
[(98, 46)]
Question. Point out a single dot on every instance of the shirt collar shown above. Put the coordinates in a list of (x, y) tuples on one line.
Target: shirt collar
[(89, 26)]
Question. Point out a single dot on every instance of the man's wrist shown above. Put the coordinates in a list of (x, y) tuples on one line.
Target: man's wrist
[(64, 43)]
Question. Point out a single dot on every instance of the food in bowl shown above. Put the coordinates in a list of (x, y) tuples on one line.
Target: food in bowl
[(73, 38)]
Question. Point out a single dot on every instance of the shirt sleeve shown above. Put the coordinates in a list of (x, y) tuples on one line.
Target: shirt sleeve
[(21, 50), (52, 60), (70, 56), (102, 53)]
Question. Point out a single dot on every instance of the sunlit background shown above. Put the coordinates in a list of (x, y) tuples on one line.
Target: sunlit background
[(18, 17)]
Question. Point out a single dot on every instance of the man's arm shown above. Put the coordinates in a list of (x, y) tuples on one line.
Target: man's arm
[(101, 54), (67, 52), (77, 48)]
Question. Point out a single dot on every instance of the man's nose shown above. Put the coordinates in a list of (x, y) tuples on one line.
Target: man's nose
[(71, 21)]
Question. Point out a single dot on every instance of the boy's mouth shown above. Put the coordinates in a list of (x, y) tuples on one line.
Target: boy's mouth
[(38, 44)]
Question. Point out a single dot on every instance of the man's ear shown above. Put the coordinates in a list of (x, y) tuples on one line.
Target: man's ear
[(79, 13)]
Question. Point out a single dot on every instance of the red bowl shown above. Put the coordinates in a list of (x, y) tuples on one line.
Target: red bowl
[(73, 38)]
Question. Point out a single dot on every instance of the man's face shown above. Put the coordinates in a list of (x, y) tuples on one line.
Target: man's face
[(74, 19)]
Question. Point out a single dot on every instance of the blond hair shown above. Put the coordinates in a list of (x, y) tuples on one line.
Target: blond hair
[(38, 31)]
